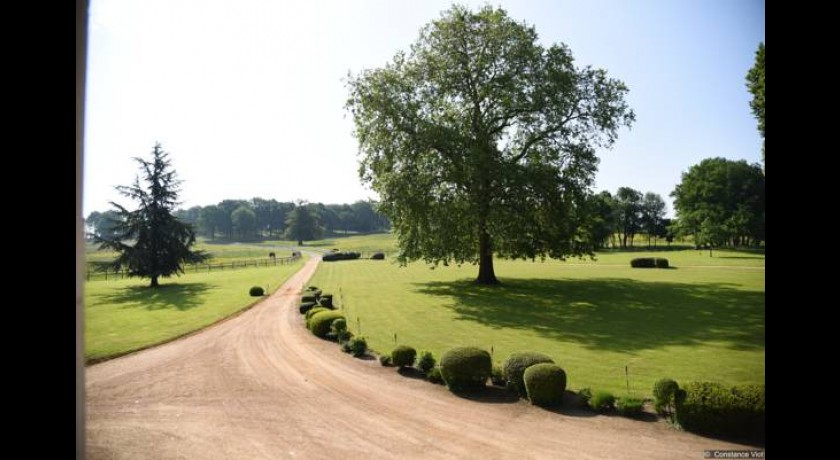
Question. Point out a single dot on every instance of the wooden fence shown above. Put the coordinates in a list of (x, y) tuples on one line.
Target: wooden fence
[(96, 275)]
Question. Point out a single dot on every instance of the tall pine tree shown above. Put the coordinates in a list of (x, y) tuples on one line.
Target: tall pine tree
[(152, 242)]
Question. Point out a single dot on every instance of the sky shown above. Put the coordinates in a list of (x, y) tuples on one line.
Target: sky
[(248, 96)]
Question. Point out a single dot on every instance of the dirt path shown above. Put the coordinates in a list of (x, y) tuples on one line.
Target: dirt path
[(260, 386)]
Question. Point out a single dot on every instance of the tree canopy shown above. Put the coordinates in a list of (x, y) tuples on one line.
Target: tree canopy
[(755, 84), (150, 240), (721, 202), (481, 141), (302, 224)]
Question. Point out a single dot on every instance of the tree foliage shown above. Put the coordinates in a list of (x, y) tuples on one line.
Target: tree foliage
[(755, 84), (721, 202), (150, 240), (302, 224), (480, 140)]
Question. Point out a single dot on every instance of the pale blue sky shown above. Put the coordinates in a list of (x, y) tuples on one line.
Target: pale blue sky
[(248, 95)]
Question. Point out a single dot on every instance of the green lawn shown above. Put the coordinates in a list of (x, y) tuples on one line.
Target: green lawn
[(693, 322), (125, 315)]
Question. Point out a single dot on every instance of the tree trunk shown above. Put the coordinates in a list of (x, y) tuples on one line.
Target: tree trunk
[(486, 273), (154, 282)]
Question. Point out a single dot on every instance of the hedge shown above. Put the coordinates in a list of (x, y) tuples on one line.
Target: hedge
[(403, 356), (514, 368), (465, 368), (256, 291), (649, 262), (335, 256), (545, 384), (319, 324), (711, 408)]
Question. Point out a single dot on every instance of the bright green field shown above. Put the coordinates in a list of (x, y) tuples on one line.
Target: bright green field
[(693, 322), (125, 315)]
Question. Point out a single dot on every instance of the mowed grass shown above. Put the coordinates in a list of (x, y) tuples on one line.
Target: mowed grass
[(126, 315), (693, 322)]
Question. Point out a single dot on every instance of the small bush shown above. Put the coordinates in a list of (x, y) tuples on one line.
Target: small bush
[(319, 324), (664, 391), (435, 376), (306, 306), (306, 298), (585, 395), (545, 384), (256, 291), (514, 368), (643, 262), (711, 408), (314, 311), (336, 256), (345, 347), (326, 301), (425, 362), (629, 406), (339, 329), (385, 360), (378, 256), (465, 368), (661, 263), (602, 401), (497, 376), (403, 356), (358, 346)]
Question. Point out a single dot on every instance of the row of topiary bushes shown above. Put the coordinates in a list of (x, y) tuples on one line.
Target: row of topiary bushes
[(322, 319), (649, 262), (335, 256), (712, 408)]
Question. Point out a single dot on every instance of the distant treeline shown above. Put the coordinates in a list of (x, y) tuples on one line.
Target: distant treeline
[(259, 218)]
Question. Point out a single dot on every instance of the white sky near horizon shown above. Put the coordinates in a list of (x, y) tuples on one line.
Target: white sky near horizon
[(248, 96)]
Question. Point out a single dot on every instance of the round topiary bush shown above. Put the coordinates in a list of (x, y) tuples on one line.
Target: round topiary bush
[(465, 368), (306, 298), (326, 301), (314, 311), (358, 346), (545, 384), (403, 356), (256, 291), (425, 362), (514, 368), (306, 306), (378, 256), (319, 324)]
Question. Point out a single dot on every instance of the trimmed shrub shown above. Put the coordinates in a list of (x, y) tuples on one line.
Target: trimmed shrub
[(602, 401), (497, 376), (711, 408), (385, 360), (643, 262), (306, 306), (435, 376), (545, 384), (661, 263), (336, 256), (326, 301), (314, 311), (377, 256), (338, 328), (358, 346), (664, 391), (345, 347), (403, 356), (319, 324), (514, 368), (426, 362), (256, 291), (629, 406), (465, 368), (306, 298)]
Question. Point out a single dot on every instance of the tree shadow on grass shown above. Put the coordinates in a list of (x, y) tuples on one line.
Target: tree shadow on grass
[(613, 314), (168, 296)]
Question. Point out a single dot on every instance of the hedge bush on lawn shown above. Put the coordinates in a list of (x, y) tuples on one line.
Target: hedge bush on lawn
[(312, 312), (545, 384), (403, 356), (378, 256), (319, 324), (336, 256), (326, 301), (664, 391), (465, 368), (357, 346), (256, 291), (425, 362), (306, 306), (711, 408), (649, 262), (514, 368)]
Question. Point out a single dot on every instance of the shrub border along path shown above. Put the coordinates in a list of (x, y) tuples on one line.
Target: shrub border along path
[(261, 386)]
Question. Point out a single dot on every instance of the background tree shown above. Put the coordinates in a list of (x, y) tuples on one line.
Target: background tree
[(103, 224), (244, 221), (653, 211), (481, 141), (302, 225), (150, 240), (629, 213), (601, 208), (755, 84), (721, 201)]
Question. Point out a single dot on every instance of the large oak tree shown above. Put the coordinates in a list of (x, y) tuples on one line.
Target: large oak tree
[(479, 140), (150, 240)]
